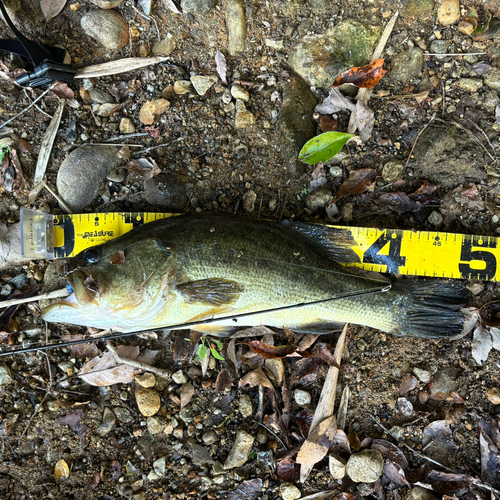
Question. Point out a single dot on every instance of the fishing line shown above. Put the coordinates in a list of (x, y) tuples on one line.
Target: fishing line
[(234, 318)]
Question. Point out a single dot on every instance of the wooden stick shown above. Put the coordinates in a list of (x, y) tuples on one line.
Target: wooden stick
[(62, 292)]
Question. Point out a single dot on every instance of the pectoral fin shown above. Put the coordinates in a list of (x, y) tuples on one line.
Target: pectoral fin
[(211, 291), (216, 331)]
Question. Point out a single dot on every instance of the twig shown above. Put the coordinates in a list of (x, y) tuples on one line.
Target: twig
[(116, 145), (30, 106), (62, 292), (456, 54), (57, 197), (152, 148), (137, 364), (271, 432), (260, 408), (416, 140), (36, 105), (128, 136)]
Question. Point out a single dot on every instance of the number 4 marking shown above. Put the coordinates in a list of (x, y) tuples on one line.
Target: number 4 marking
[(393, 261)]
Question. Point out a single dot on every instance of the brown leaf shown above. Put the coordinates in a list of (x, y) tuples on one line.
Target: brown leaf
[(354, 440), (7, 425), (187, 391), (358, 182), (117, 258), (288, 470), (325, 353), (490, 313), (224, 380), (446, 483), (399, 202), (144, 167), (340, 445), (270, 351), (327, 123), (364, 76), (408, 383), (255, 378), (307, 370), (154, 132), (82, 351), (62, 90)]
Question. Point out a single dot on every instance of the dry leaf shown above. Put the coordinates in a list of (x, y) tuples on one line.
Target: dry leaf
[(334, 102), (187, 391), (482, 344), (255, 378), (62, 91), (365, 119), (119, 66), (50, 8), (220, 61), (224, 380), (171, 5), (144, 167), (61, 471), (364, 77), (270, 351), (358, 182)]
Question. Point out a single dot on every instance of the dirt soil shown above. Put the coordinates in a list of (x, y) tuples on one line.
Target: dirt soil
[(222, 164)]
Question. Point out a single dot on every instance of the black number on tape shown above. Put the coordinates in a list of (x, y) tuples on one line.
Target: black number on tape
[(469, 255), (393, 260)]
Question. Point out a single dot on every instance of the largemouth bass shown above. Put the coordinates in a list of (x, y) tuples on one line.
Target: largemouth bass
[(192, 268)]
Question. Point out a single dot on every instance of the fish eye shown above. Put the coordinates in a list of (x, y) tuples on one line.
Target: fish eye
[(91, 256)]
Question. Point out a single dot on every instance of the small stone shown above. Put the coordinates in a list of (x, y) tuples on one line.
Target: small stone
[(492, 79), (167, 190), (182, 87), (273, 205), (240, 450), (301, 397), (274, 44), (123, 415), (5, 375), (238, 92), (228, 108), (439, 47), (107, 4), (101, 96), (127, 126), (107, 423), (318, 199), (210, 437), (448, 12), (476, 287), (168, 92), (186, 415), (337, 466), (470, 84), (365, 466), (153, 476), (405, 407), (117, 175), (249, 201), (148, 401), (245, 406), (53, 405), (289, 491), (435, 219), (165, 46), (201, 455), (407, 65), (243, 117), (151, 110), (347, 212), (159, 466), (202, 83), (226, 96), (493, 394), (236, 27), (422, 375), (442, 383), (179, 378), (200, 7), (393, 170), (156, 425), (419, 493), (146, 379), (107, 27)]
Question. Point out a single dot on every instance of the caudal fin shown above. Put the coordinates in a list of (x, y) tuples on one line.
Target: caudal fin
[(430, 308)]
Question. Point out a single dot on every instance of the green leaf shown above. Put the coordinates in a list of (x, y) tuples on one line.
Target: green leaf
[(323, 147), (202, 351), (3, 151), (219, 344), (216, 355)]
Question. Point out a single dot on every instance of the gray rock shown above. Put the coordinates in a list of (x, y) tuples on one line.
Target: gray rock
[(302, 397), (179, 377), (439, 47), (492, 79), (124, 415), (82, 172), (245, 406), (238, 92), (202, 83), (101, 96), (240, 450), (422, 375), (200, 7), (117, 175), (405, 407), (167, 190), (393, 170), (156, 425), (165, 46), (289, 491), (318, 199), (407, 65), (186, 415), (107, 423), (365, 466), (236, 27), (210, 437), (443, 382), (5, 375), (419, 493), (107, 4), (295, 124), (226, 96), (490, 101), (318, 59), (436, 219), (107, 27), (421, 9), (201, 455), (159, 466), (470, 84), (447, 156)]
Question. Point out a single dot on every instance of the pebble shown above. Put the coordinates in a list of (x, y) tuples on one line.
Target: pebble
[(107, 27), (127, 126), (210, 437), (151, 110), (202, 83), (165, 46), (423, 9), (81, 173), (448, 12), (419, 493), (302, 397), (245, 406), (179, 377), (107, 423), (101, 96), (274, 44), (159, 466), (493, 394), (200, 7), (148, 401), (201, 455), (318, 199), (405, 407), (475, 287), (365, 466), (167, 190), (5, 375), (182, 87), (243, 117), (337, 466), (393, 170), (123, 415), (236, 27), (289, 491), (53, 405), (146, 379), (435, 219), (439, 47), (470, 84), (156, 425), (117, 175), (226, 96), (228, 108), (186, 415), (107, 4), (422, 375), (442, 383), (249, 201), (492, 79), (106, 110), (407, 65), (238, 92), (240, 450)]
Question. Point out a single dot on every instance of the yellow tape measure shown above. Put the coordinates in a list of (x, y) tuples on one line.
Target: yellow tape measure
[(418, 253)]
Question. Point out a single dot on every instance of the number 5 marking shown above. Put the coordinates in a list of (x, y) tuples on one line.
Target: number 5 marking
[(468, 255), (393, 261)]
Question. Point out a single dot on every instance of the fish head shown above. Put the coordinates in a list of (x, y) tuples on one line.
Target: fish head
[(118, 285)]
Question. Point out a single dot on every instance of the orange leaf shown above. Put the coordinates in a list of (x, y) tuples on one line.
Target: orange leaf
[(271, 351), (365, 76), (356, 183)]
